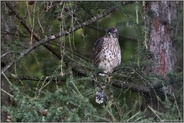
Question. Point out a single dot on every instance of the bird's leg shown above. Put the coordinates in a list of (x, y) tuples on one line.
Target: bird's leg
[(108, 89), (108, 78)]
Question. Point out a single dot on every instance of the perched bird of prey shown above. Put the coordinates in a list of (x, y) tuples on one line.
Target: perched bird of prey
[(106, 56)]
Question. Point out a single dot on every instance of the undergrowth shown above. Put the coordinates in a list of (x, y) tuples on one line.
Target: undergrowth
[(74, 101)]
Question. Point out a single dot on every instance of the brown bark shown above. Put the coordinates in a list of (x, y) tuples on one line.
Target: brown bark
[(160, 19), (6, 26)]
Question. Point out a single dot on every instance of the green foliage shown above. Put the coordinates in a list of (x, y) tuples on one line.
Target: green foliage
[(65, 104), (73, 100)]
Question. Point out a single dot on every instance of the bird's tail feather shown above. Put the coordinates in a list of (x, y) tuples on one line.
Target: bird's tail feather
[(99, 95)]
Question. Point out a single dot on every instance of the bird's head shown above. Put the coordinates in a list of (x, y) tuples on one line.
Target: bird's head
[(112, 33)]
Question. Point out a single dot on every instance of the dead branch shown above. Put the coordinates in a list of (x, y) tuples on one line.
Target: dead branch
[(134, 87), (35, 78), (155, 87), (3, 55)]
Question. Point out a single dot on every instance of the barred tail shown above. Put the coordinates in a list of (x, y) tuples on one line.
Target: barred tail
[(99, 95)]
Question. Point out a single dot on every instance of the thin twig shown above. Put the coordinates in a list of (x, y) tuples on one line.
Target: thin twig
[(75, 53), (155, 112), (13, 34), (6, 78), (7, 93), (6, 54)]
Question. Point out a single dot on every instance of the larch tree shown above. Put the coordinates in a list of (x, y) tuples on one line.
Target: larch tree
[(161, 20)]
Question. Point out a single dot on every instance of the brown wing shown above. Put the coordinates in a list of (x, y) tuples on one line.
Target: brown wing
[(97, 49), (98, 45)]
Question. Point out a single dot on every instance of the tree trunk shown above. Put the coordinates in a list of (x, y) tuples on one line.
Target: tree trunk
[(161, 20), (7, 39)]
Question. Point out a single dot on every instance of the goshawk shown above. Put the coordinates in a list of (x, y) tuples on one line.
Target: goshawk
[(106, 56)]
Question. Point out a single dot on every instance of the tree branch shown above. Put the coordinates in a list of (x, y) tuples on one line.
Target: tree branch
[(35, 78), (131, 86), (3, 55), (147, 88), (13, 34)]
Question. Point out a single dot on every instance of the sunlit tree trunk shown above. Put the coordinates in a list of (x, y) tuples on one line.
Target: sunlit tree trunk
[(161, 19)]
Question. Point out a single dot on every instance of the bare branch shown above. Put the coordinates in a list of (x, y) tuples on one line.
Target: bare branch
[(145, 88), (3, 55), (13, 34), (35, 78), (133, 87), (75, 53)]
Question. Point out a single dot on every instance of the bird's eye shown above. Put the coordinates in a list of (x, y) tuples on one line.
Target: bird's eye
[(109, 33)]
